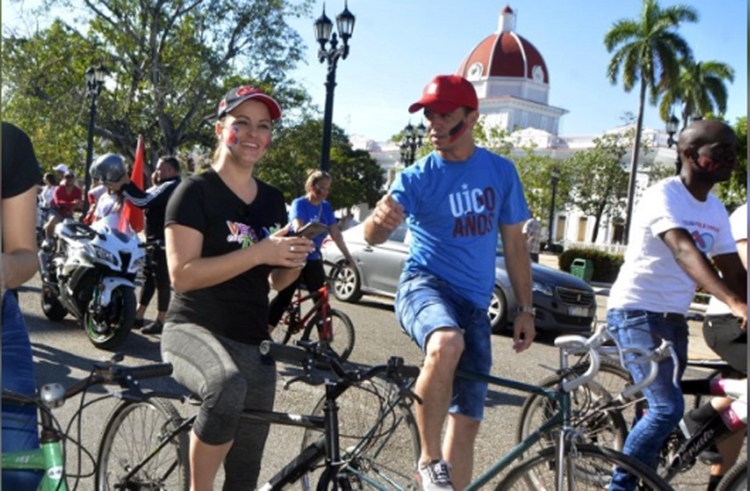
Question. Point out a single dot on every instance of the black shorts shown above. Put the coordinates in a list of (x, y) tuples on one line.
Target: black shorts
[(724, 335)]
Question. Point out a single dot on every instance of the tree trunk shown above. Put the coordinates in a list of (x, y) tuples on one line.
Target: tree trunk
[(634, 161)]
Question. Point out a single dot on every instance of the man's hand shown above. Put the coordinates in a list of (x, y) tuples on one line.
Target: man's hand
[(388, 213), (739, 309), (524, 332)]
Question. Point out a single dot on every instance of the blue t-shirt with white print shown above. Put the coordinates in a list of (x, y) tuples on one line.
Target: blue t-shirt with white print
[(308, 212), (453, 210)]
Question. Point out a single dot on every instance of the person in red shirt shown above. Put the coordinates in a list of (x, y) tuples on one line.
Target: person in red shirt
[(68, 197)]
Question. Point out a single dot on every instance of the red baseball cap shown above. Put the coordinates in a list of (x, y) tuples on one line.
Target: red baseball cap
[(445, 94), (240, 94)]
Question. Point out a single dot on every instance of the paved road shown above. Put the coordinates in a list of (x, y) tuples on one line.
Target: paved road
[(63, 353)]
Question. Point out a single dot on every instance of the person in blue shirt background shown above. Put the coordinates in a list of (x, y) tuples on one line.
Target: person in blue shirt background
[(310, 208)]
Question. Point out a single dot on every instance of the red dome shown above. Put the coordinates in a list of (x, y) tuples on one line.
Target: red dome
[(504, 54)]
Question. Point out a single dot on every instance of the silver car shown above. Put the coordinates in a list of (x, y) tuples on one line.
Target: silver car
[(563, 302)]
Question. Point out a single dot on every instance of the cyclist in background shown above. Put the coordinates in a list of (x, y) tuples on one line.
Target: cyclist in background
[(312, 207), (20, 175), (725, 335)]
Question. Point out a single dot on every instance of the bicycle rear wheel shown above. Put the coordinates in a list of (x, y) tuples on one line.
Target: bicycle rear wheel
[(599, 427), (585, 467), (342, 329), (377, 435), (736, 478), (133, 432)]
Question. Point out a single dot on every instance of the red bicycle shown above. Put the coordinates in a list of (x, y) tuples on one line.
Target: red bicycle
[(333, 328)]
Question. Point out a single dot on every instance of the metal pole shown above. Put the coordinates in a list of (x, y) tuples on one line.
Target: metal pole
[(325, 153), (551, 214), (89, 152)]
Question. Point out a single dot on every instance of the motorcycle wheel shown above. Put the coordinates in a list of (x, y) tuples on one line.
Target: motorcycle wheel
[(109, 329), (52, 307)]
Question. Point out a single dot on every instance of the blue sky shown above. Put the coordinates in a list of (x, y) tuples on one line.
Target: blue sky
[(399, 45)]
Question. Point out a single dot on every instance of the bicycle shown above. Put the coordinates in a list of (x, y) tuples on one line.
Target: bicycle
[(138, 453), (333, 328), (51, 456), (678, 454), (736, 478), (570, 462)]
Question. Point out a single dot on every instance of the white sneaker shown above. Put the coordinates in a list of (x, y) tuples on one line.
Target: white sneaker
[(436, 476)]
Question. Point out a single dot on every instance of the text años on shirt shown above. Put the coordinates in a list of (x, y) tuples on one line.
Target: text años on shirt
[(473, 210)]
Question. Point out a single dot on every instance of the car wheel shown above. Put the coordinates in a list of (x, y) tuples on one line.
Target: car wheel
[(498, 311), (347, 285)]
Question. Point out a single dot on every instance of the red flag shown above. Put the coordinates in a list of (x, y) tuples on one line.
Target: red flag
[(132, 213)]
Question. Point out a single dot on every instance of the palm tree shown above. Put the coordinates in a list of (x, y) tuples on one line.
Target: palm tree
[(647, 50), (700, 87)]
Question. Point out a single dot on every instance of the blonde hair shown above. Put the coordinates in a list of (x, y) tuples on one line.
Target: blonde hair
[(315, 177)]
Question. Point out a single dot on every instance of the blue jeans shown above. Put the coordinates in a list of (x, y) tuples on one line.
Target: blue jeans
[(645, 330), (425, 303), (19, 426)]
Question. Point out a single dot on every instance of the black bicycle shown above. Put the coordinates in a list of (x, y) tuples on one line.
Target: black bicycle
[(145, 442)]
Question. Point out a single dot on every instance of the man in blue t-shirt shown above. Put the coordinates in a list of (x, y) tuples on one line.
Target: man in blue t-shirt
[(455, 201)]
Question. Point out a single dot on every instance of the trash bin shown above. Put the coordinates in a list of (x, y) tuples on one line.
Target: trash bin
[(582, 268)]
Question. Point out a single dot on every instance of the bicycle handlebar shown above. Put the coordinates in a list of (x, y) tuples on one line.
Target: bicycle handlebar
[(309, 354)]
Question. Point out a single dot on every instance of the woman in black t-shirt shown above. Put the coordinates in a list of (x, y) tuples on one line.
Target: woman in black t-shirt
[(225, 243)]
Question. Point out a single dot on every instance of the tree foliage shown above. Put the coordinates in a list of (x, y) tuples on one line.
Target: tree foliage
[(169, 63), (602, 183), (733, 193), (295, 154), (647, 50), (700, 88)]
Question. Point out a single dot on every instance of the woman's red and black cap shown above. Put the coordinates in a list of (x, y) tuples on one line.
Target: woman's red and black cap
[(240, 94)]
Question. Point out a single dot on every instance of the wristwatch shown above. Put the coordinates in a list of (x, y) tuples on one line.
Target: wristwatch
[(523, 309)]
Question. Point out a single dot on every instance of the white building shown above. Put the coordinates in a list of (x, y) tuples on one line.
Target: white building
[(512, 83)]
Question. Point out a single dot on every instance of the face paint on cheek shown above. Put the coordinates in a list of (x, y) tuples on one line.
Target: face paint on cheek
[(232, 138), (706, 163)]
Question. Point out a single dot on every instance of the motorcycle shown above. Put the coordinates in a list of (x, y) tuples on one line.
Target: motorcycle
[(90, 272)]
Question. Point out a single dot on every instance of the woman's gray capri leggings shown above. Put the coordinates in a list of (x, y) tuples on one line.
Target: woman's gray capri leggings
[(229, 376)]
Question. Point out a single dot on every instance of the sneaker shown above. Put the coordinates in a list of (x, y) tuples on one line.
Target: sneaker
[(138, 323), (155, 327), (436, 475)]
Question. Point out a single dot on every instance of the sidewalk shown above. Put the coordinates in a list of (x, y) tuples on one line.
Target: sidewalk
[(697, 349)]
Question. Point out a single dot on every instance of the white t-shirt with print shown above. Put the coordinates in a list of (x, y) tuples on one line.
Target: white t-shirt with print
[(738, 221), (650, 278)]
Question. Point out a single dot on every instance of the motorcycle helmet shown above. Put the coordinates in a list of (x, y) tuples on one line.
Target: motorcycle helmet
[(109, 168)]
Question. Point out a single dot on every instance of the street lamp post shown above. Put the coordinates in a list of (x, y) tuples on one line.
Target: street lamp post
[(94, 83), (554, 178), (323, 28), (411, 142)]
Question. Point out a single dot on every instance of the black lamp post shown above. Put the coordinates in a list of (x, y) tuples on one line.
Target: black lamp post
[(554, 178), (672, 124), (411, 142), (94, 83), (323, 28)]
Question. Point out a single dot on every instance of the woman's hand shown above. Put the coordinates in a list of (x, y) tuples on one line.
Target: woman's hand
[(288, 252)]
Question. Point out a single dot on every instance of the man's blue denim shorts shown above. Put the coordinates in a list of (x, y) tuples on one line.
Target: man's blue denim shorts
[(425, 303)]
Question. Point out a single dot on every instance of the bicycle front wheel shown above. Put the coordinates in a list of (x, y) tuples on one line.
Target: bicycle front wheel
[(377, 436), (599, 427), (584, 467), (130, 439), (736, 478), (342, 332)]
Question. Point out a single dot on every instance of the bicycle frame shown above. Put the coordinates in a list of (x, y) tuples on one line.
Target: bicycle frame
[(48, 458), (320, 304)]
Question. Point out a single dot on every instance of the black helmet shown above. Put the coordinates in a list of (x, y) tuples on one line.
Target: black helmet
[(109, 168)]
